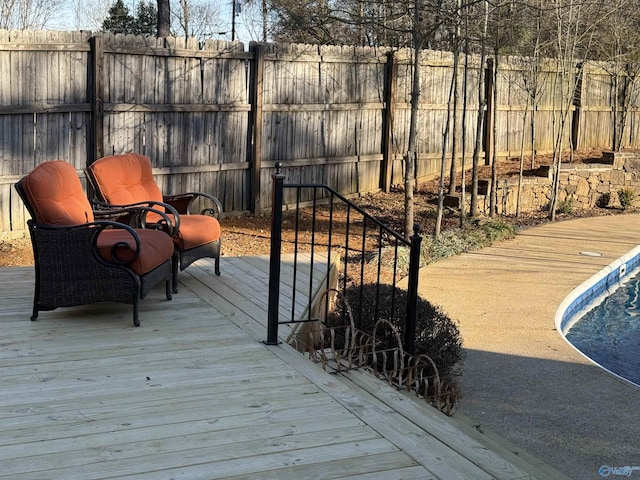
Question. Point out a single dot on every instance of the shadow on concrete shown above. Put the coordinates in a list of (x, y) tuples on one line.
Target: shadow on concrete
[(587, 419)]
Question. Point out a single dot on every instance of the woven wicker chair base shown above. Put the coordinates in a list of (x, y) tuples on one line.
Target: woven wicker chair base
[(69, 272)]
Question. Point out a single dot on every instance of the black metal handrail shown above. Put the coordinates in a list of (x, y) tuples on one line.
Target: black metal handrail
[(373, 238)]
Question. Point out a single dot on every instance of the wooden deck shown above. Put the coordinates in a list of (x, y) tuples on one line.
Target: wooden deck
[(195, 394)]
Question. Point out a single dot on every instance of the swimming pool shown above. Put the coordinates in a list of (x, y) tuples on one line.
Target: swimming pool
[(601, 318)]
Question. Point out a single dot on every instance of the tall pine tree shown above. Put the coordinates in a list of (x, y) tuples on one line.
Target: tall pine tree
[(120, 20), (146, 19)]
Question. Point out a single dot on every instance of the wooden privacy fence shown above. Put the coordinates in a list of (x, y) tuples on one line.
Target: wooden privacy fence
[(216, 117)]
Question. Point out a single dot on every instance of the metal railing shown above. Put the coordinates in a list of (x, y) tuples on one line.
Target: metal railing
[(322, 222)]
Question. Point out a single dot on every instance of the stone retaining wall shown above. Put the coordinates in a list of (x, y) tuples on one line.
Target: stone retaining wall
[(581, 185)]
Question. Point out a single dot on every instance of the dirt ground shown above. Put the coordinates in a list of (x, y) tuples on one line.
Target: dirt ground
[(250, 234)]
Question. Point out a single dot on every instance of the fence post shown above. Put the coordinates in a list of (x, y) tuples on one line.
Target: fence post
[(577, 103), (412, 300), (489, 84), (96, 85), (254, 137), (390, 81), (274, 258)]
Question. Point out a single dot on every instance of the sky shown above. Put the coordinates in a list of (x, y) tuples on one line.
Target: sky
[(67, 19)]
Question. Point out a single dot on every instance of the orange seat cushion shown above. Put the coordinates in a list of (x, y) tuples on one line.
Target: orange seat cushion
[(155, 248), (196, 230), (55, 193), (125, 179)]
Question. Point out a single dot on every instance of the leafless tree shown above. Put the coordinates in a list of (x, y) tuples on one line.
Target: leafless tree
[(196, 18), (575, 26), (456, 42), (90, 14), (532, 86), (617, 45), (482, 101), (27, 14), (255, 17)]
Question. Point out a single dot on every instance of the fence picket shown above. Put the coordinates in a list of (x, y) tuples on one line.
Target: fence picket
[(188, 107)]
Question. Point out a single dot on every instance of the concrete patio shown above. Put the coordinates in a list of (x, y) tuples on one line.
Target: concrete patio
[(521, 379)]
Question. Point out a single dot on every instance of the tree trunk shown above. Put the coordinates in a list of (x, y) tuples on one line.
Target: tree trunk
[(533, 133), (521, 171), (454, 130), (493, 199), (265, 14), (443, 158), (473, 210), (410, 157), (535, 92), (164, 19), (465, 82)]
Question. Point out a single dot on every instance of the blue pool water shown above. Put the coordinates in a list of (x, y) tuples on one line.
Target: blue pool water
[(609, 334)]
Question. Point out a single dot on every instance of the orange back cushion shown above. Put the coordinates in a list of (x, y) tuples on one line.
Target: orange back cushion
[(56, 196), (125, 179)]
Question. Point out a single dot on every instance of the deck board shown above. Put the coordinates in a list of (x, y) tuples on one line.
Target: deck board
[(194, 393)]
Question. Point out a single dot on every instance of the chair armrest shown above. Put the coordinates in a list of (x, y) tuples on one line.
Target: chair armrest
[(184, 203), (104, 225), (135, 215), (76, 246)]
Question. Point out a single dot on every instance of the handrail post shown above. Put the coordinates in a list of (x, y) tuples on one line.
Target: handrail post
[(412, 299), (274, 257)]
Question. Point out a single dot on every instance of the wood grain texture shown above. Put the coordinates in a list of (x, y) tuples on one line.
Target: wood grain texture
[(193, 393), (322, 112)]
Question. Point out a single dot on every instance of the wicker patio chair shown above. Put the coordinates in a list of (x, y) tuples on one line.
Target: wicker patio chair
[(80, 260), (127, 179)]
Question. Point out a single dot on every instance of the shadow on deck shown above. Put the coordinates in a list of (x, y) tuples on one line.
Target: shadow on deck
[(194, 393)]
